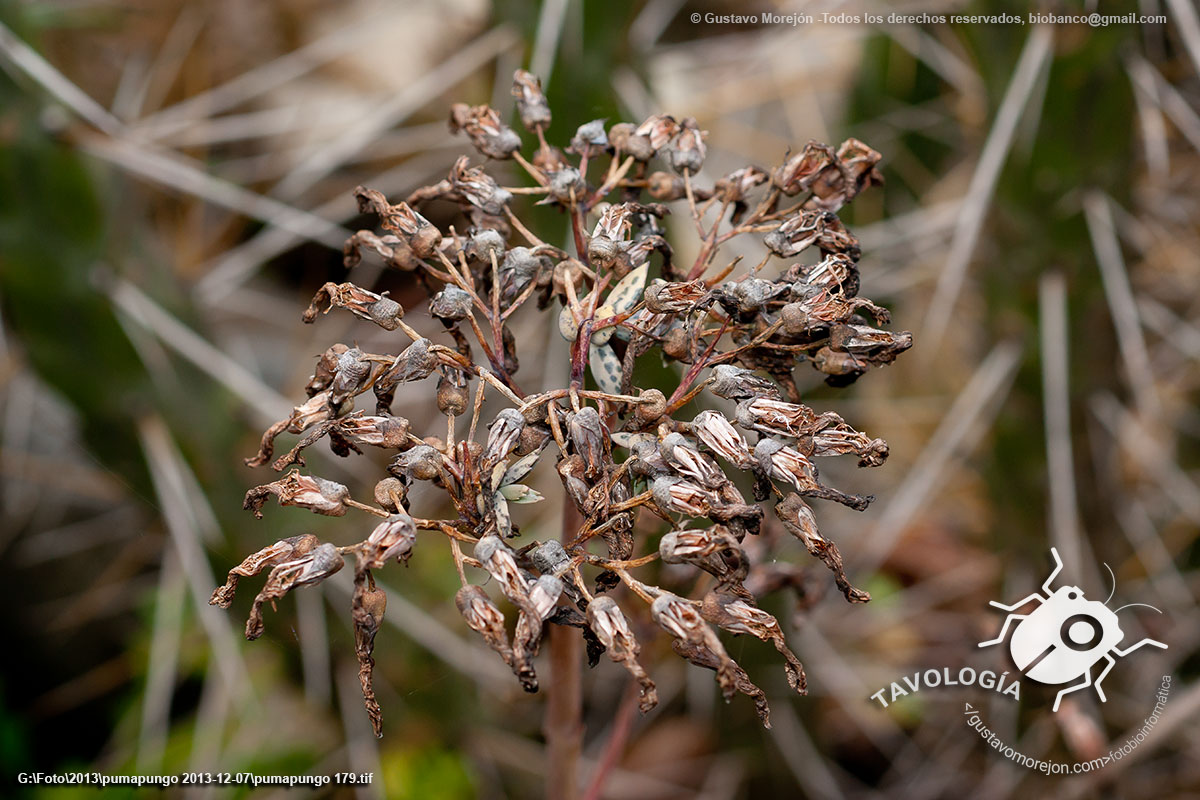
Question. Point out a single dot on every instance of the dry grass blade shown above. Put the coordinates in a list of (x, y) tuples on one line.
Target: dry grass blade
[(179, 173), (979, 399), (165, 636), (1188, 25), (268, 404), (256, 82), (1170, 100), (58, 85), (1056, 405), (1034, 58), (327, 158), (1121, 303), (157, 446), (545, 42), (1150, 118)]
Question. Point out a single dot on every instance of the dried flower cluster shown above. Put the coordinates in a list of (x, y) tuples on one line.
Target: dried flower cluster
[(619, 450)]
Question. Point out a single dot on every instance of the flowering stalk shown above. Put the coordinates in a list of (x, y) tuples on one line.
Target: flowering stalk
[(625, 460)]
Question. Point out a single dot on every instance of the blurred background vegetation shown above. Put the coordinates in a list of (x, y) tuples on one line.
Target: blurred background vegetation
[(175, 183)]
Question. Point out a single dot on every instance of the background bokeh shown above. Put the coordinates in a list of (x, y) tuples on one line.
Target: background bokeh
[(175, 182)]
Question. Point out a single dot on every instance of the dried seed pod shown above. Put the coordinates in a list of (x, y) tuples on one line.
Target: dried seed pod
[(531, 101), (589, 139), (734, 187), (802, 170), (682, 496), (351, 376), (499, 561), (484, 618), (590, 438), (781, 463), (748, 296), (738, 616), (645, 459), (797, 233), (503, 434), (483, 244), (482, 124), (378, 308), (835, 274), (283, 550), (572, 471), (366, 611), (677, 344), (386, 489), (658, 131), (675, 298), (872, 344), (415, 363), (543, 597), (719, 435), (841, 439), (452, 395), (685, 458), (421, 463), (307, 570), (686, 151), (316, 410), (323, 374), (566, 185), (421, 235), (682, 620), (550, 558), (714, 550), (605, 619), (650, 409), (777, 418), (304, 491), (799, 521), (665, 187), (451, 305), (625, 140), (474, 186), (392, 540), (735, 383)]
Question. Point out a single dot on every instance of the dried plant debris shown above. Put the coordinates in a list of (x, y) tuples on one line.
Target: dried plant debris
[(626, 461)]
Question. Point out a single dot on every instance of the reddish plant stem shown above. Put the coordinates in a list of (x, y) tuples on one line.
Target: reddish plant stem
[(622, 726), (563, 723)]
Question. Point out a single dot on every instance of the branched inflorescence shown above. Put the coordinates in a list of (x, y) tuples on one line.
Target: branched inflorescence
[(619, 450)]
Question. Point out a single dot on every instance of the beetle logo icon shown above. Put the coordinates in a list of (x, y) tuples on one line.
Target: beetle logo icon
[(1065, 636)]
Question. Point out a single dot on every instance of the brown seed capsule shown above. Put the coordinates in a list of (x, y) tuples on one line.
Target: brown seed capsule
[(590, 438), (665, 187), (419, 233), (307, 570), (686, 151), (735, 383), (719, 435), (304, 491), (378, 308), (651, 408), (483, 617), (391, 540), (605, 619), (474, 186), (685, 457), (677, 344), (283, 550), (367, 610), (451, 305), (452, 397), (675, 298), (531, 101), (421, 463), (384, 491), (589, 139), (482, 124), (799, 521)]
